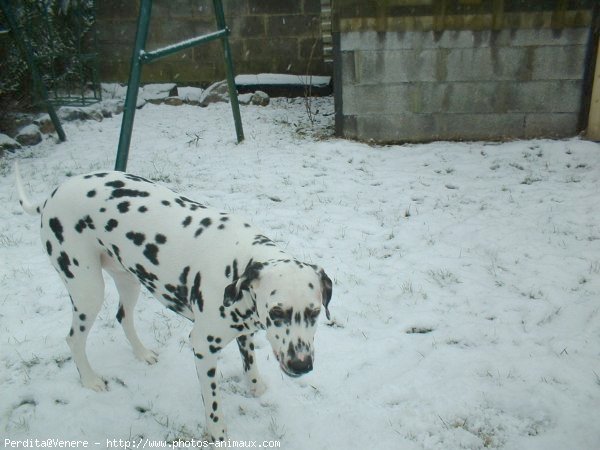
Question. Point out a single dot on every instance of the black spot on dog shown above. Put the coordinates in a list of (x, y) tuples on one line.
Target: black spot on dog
[(184, 202), (247, 225), (214, 406), (136, 178), (76, 262), (57, 229), (179, 296), (166, 202), (273, 292), (111, 225), (198, 232), (211, 372), (214, 348), (116, 251), (91, 193), (236, 273), (49, 248), (310, 316), (259, 239), (160, 238), (151, 252), (137, 238), (187, 221), (123, 207), (210, 338), (71, 332), (206, 222), (120, 313), (64, 262), (142, 209), (82, 317), (221, 227), (102, 210), (121, 192), (117, 184), (224, 219), (198, 355), (84, 223), (95, 175), (227, 271), (82, 328), (144, 277), (196, 294)]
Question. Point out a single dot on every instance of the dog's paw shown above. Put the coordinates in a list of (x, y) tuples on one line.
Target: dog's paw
[(257, 389), (148, 356), (96, 383), (215, 435)]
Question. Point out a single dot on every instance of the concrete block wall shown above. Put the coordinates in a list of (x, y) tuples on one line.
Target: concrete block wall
[(267, 36), (415, 84)]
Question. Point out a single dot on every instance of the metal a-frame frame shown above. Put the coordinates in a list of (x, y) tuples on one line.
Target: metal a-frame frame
[(141, 56)]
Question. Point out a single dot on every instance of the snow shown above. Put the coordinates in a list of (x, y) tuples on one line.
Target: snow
[(465, 310), (281, 79), (190, 93)]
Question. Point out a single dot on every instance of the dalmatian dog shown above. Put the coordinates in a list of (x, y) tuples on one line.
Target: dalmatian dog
[(211, 267)]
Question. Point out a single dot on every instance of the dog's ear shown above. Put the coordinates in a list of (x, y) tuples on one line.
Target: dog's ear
[(235, 291), (326, 291)]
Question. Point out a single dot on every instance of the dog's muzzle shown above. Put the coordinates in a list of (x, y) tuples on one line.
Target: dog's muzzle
[(296, 367)]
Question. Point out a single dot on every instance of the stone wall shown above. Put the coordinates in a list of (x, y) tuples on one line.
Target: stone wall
[(267, 36), (422, 70)]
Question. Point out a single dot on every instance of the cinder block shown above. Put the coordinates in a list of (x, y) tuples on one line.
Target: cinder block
[(554, 125), (558, 62), (489, 63), (400, 66)]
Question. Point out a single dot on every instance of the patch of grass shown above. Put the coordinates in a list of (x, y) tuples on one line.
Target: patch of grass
[(443, 277), (9, 241)]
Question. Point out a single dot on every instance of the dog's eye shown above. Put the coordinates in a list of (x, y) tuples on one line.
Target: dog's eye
[(277, 313), (313, 313)]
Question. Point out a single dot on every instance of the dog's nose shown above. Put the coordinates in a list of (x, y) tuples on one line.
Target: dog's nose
[(301, 366)]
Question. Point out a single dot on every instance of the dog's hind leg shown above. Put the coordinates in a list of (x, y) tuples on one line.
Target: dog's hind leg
[(86, 289), (129, 291)]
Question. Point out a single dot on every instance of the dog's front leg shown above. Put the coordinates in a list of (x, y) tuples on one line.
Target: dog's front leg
[(206, 367), (255, 383)]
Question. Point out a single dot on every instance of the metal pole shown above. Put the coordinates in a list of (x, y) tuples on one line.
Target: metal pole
[(133, 85), (235, 106)]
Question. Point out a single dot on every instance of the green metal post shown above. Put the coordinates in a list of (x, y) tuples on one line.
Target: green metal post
[(35, 74), (235, 106), (133, 85)]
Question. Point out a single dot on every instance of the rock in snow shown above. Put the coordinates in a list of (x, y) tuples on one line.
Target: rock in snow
[(29, 135)]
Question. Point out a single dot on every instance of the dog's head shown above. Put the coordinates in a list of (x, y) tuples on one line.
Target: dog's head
[(288, 297)]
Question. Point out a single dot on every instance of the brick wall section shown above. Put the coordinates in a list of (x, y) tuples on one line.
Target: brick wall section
[(418, 82), (267, 36)]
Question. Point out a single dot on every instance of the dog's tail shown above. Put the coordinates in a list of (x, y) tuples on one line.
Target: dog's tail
[(26, 204)]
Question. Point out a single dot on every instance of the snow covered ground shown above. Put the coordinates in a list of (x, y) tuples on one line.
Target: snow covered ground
[(466, 306)]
